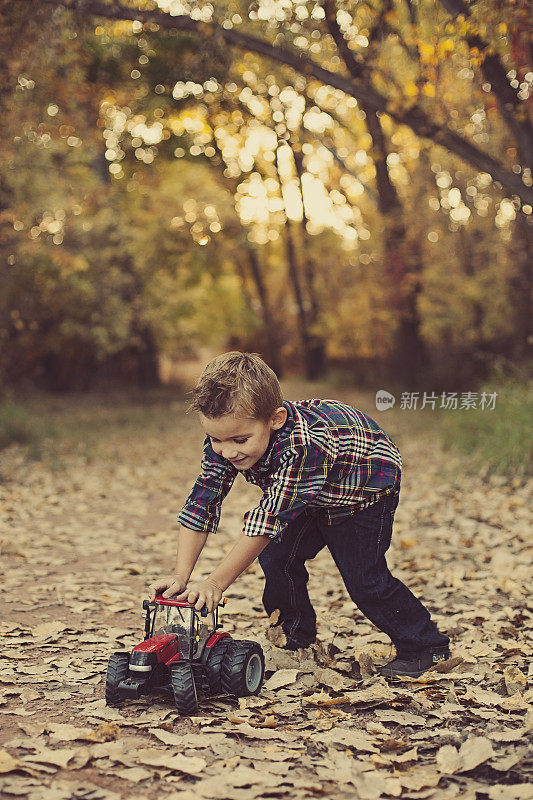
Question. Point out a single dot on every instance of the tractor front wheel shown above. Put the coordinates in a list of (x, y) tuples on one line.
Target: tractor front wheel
[(184, 689), (243, 669), (117, 670)]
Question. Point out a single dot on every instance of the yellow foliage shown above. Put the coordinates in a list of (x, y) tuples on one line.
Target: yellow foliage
[(428, 90), (67, 263), (427, 53), (446, 48), (410, 89), (121, 27)]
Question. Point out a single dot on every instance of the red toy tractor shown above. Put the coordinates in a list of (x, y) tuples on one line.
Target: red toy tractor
[(183, 653)]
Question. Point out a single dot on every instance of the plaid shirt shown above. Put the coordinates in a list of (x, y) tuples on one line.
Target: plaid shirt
[(326, 456)]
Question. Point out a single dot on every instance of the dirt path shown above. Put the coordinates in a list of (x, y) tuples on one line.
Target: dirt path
[(84, 533)]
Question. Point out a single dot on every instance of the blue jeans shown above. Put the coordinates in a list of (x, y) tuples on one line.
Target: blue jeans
[(358, 545)]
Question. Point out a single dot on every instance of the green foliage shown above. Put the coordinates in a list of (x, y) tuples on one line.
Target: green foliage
[(20, 426), (500, 440)]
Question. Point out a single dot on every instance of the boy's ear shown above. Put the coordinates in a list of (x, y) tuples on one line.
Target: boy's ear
[(279, 418)]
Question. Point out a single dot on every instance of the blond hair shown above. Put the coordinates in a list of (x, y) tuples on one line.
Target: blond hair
[(237, 383)]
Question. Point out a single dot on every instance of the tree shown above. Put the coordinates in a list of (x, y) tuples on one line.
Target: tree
[(410, 114)]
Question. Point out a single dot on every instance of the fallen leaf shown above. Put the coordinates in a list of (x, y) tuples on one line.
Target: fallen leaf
[(400, 717), (190, 765), (515, 680), (448, 760), (134, 774), (475, 751), (7, 762), (282, 677), (348, 738)]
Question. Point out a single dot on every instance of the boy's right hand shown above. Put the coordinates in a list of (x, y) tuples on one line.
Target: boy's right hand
[(172, 584)]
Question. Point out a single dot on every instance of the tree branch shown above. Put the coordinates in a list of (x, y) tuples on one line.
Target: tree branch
[(415, 118), (511, 107)]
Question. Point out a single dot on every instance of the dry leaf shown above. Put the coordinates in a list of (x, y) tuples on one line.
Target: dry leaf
[(348, 738), (448, 759), (400, 717), (323, 699), (190, 765), (515, 680), (65, 758), (475, 751), (366, 665), (7, 762), (282, 677), (517, 791), (134, 774), (49, 629), (446, 666), (61, 732)]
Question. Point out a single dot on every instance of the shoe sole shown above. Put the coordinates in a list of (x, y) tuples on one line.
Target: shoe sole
[(415, 674), (391, 674)]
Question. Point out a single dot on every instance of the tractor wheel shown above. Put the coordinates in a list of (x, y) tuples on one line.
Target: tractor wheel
[(117, 670), (184, 689), (243, 669), (213, 664)]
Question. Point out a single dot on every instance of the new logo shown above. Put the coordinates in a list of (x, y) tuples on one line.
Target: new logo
[(384, 400)]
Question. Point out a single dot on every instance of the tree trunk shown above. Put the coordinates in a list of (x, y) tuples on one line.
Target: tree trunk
[(317, 345), (403, 265), (522, 291), (273, 348), (147, 359), (294, 279), (408, 359)]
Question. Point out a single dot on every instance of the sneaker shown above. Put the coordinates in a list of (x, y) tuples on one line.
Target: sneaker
[(413, 666)]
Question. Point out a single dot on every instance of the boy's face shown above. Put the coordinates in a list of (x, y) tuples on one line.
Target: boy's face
[(242, 440)]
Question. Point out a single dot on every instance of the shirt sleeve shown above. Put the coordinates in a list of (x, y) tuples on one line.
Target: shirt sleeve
[(201, 511), (293, 485)]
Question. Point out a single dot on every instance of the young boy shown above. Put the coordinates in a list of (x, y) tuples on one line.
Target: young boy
[(330, 477)]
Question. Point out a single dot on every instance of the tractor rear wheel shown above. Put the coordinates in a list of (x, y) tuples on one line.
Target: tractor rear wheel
[(213, 664), (243, 669), (184, 688), (117, 670)]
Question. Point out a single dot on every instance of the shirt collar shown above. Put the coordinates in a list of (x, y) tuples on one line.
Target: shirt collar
[(263, 464)]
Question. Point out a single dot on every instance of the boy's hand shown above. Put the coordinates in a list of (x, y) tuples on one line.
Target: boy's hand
[(201, 593), (173, 584)]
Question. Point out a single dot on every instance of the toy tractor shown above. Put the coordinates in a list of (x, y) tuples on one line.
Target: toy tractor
[(184, 653)]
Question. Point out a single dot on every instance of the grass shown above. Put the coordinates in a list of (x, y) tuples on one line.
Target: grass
[(20, 426), (48, 426), (498, 440)]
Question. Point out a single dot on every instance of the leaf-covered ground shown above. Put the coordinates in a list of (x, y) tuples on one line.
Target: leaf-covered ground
[(85, 531)]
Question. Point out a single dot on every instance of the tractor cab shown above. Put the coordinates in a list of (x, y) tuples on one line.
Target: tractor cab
[(193, 628)]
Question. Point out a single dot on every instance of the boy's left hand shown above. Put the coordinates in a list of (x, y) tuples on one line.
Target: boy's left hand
[(201, 593)]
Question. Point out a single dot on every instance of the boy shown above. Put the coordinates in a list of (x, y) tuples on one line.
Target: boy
[(331, 478)]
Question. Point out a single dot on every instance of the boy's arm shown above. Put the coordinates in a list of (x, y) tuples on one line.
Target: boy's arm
[(209, 591), (198, 518), (201, 511), (190, 545)]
